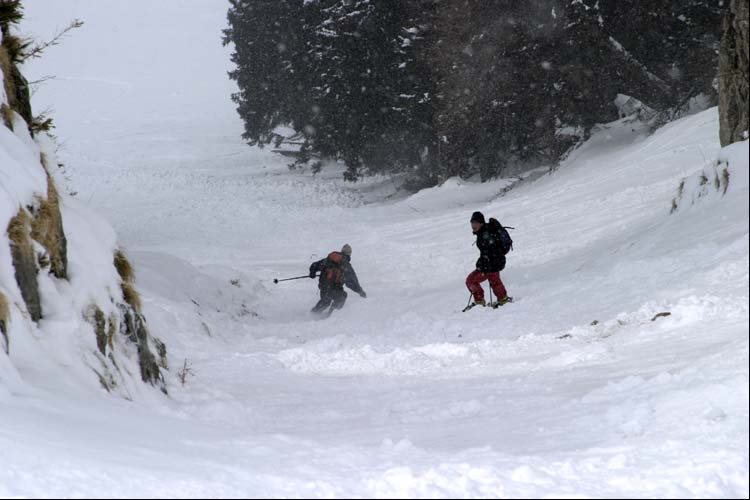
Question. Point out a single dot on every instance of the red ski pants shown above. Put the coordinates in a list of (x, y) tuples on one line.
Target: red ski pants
[(474, 283)]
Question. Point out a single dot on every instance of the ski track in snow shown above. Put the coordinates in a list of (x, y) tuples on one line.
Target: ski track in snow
[(399, 395)]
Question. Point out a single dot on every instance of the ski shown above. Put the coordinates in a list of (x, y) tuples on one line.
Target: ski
[(472, 306)]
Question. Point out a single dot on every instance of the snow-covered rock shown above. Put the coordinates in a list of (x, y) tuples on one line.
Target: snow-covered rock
[(65, 313)]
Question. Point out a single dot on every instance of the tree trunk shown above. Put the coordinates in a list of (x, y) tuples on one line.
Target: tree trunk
[(733, 75)]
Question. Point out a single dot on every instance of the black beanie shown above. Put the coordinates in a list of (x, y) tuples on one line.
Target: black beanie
[(477, 217)]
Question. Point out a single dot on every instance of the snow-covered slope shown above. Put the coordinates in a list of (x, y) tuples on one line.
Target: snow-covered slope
[(576, 389), (62, 346), (66, 324)]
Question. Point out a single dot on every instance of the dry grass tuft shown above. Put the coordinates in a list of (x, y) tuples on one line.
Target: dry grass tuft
[(7, 115), (127, 275), (18, 231), (7, 69), (124, 268), (4, 319), (130, 294), (47, 229)]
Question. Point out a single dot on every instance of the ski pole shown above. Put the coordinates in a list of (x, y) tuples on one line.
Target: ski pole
[(489, 285), (290, 279), (470, 297)]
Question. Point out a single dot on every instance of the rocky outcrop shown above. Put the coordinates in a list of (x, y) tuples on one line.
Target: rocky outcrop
[(130, 325), (41, 224), (6, 68), (25, 262), (16, 88), (34, 223), (133, 326), (38, 243), (20, 100), (15, 84), (733, 74)]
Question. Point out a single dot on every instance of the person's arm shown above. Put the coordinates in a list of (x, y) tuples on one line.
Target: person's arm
[(316, 267), (350, 280), (483, 244)]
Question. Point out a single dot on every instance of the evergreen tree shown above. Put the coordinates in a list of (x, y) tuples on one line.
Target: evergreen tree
[(342, 73), (676, 39), (268, 37), (439, 88), (370, 104)]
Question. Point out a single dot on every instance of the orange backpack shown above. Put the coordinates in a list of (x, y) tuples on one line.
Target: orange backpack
[(334, 270)]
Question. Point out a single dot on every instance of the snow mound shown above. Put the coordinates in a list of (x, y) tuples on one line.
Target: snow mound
[(728, 173)]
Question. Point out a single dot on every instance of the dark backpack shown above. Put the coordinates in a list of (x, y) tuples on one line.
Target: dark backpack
[(506, 242)]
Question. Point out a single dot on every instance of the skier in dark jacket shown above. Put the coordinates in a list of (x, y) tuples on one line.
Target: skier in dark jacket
[(491, 261), (335, 272)]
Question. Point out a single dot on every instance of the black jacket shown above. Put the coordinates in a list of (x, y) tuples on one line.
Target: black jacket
[(328, 280), (491, 258)]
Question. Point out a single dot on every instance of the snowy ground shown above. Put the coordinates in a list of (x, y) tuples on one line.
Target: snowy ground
[(399, 394)]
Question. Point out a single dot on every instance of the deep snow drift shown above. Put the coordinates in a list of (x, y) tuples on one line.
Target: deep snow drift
[(399, 394)]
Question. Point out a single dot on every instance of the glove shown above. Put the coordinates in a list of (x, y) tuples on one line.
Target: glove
[(313, 274), (363, 294)]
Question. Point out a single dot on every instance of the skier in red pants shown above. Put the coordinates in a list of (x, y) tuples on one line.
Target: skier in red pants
[(493, 242)]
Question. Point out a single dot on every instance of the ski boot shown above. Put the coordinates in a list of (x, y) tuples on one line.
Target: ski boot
[(502, 302)]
